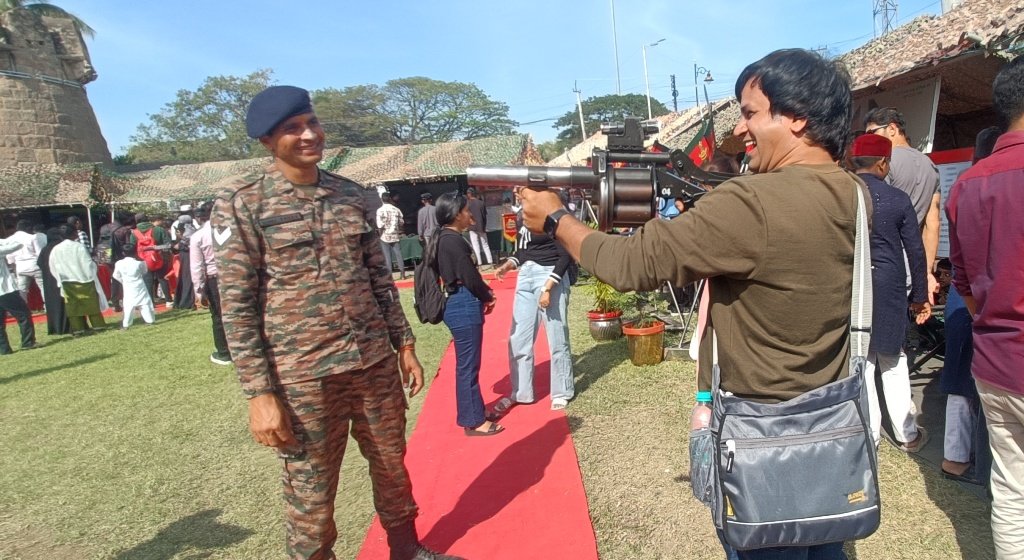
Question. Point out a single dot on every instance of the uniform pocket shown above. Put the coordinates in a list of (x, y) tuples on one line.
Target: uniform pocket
[(291, 249)]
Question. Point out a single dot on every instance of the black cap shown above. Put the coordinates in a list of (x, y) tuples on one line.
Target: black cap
[(272, 106), (426, 196)]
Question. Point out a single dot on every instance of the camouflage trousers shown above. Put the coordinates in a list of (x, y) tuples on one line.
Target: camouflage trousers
[(371, 404)]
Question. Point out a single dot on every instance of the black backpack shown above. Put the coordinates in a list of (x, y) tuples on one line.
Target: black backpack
[(429, 296)]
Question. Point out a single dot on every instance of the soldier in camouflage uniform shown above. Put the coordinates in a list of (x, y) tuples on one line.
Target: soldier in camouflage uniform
[(313, 321)]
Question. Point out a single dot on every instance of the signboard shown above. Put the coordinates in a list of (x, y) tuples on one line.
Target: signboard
[(918, 102), (508, 229), (951, 163)]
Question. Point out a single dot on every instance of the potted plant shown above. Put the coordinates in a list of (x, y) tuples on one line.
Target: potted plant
[(606, 316), (645, 336)]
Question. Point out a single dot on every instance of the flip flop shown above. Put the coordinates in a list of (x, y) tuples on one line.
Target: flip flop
[(500, 409), (967, 476), (493, 430)]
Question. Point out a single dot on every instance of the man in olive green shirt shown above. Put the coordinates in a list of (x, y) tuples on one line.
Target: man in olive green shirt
[(776, 246)]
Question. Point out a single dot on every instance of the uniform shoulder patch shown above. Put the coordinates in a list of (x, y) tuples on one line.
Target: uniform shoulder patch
[(239, 184), (342, 179)]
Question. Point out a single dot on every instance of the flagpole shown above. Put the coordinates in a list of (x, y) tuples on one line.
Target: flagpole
[(711, 113)]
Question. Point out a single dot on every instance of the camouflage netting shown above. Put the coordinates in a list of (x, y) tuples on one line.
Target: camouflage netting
[(34, 186), (88, 184), (429, 161), (175, 182)]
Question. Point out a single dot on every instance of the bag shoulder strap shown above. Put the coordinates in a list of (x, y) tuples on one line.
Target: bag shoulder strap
[(861, 297)]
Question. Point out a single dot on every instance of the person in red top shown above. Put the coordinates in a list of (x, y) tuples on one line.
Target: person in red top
[(986, 235)]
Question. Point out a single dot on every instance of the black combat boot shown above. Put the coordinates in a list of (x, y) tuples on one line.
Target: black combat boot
[(405, 545)]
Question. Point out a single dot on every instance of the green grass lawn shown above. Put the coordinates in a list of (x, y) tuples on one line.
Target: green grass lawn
[(132, 445)]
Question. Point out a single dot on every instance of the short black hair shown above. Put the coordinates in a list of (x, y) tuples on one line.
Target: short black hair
[(802, 84), (863, 162), (1008, 92), (386, 198), (72, 220), (204, 211), (24, 225), (67, 231), (985, 142), (884, 116), (54, 236)]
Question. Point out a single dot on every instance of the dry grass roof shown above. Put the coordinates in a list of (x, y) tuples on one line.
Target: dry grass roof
[(996, 26)]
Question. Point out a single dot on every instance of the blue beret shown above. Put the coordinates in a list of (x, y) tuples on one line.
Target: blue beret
[(272, 106)]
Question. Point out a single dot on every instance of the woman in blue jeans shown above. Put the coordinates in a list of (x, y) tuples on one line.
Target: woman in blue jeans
[(469, 299), (542, 292)]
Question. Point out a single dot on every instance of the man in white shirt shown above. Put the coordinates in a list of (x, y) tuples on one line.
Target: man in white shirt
[(390, 221), (75, 272), (26, 269), (11, 302), (204, 281)]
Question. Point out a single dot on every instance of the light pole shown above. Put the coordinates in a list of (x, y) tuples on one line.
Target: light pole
[(697, 71), (615, 45), (646, 81)]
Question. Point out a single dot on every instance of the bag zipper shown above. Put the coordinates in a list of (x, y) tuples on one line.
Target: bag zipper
[(731, 445)]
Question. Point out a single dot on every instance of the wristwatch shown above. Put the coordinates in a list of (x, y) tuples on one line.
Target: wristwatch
[(551, 222)]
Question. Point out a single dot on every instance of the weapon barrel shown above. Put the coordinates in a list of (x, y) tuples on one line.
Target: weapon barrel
[(532, 176)]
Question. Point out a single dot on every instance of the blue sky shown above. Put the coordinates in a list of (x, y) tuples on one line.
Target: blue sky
[(527, 53)]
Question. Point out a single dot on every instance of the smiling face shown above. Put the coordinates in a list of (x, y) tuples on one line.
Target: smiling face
[(772, 141), (297, 142)]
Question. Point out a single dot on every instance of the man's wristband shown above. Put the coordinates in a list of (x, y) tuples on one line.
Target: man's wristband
[(407, 347)]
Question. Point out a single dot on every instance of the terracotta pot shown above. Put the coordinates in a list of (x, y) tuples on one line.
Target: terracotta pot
[(646, 345), (605, 326)]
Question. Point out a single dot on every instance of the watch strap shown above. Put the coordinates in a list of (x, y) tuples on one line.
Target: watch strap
[(551, 222)]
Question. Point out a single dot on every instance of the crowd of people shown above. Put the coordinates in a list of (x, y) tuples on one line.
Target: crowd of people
[(135, 264)]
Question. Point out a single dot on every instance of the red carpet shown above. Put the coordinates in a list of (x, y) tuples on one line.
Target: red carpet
[(518, 494)]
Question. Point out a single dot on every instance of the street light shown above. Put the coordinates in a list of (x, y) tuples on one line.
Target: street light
[(697, 71), (646, 81)]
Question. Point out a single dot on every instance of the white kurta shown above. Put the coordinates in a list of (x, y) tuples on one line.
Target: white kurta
[(131, 273)]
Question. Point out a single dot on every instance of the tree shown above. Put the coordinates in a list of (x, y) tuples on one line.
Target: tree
[(44, 8), (425, 110), (207, 124), (597, 110), (352, 116)]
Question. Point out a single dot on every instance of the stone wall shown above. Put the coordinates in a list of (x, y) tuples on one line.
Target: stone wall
[(45, 115)]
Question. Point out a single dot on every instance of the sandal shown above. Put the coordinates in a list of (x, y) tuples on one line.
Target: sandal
[(969, 476), (500, 408), (493, 430)]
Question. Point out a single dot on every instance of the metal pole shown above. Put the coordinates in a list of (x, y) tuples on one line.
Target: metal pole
[(88, 216), (689, 315), (675, 94), (696, 94), (615, 45), (583, 126), (646, 81)]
